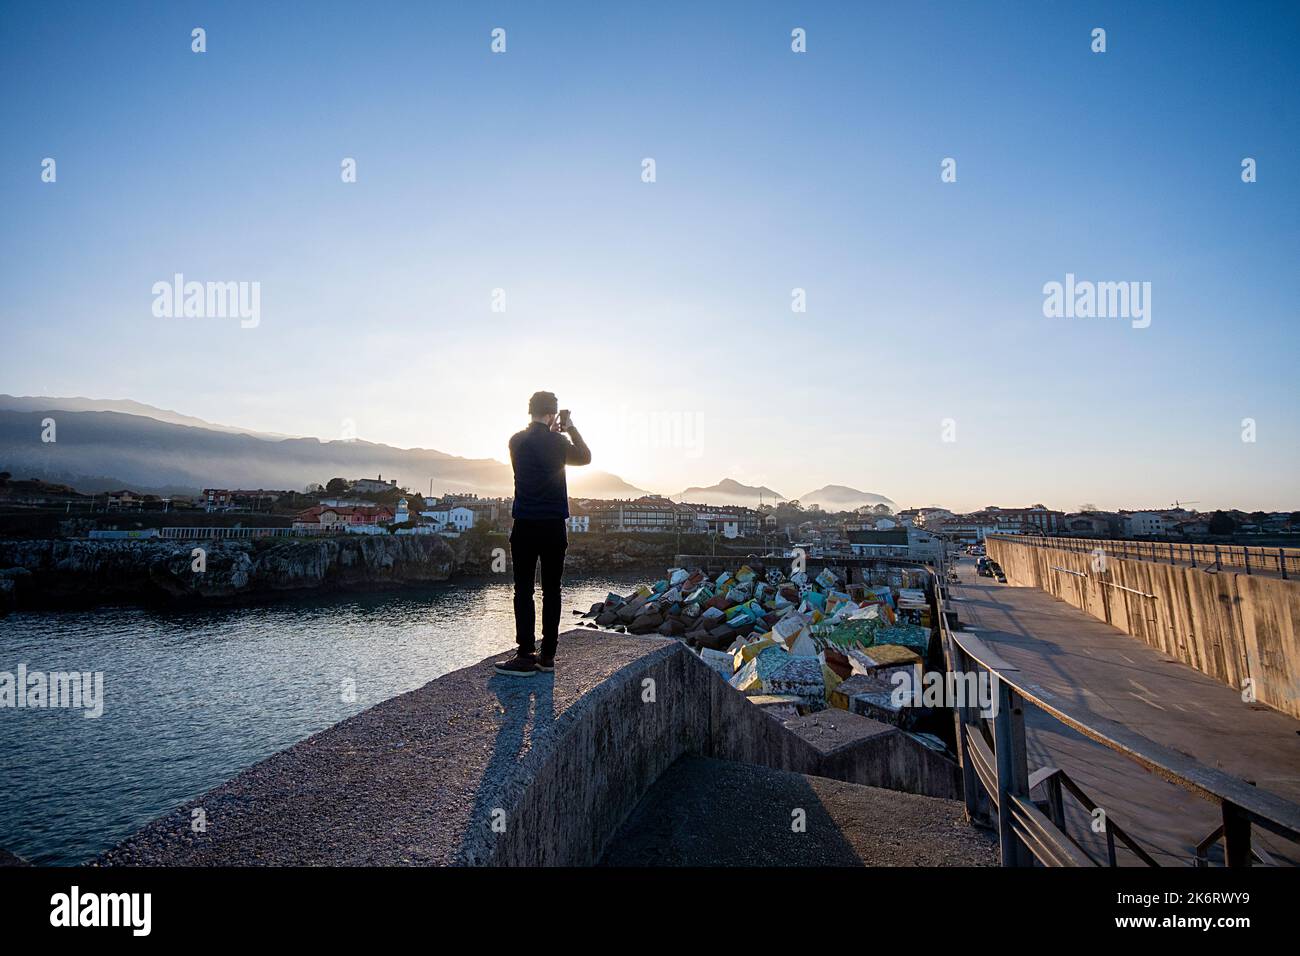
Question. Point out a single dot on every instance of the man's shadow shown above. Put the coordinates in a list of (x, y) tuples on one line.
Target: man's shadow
[(525, 715)]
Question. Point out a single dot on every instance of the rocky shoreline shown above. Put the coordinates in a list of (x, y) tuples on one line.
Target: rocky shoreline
[(77, 573), (71, 573)]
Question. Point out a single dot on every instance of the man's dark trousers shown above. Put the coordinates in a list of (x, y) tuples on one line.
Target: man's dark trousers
[(533, 540)]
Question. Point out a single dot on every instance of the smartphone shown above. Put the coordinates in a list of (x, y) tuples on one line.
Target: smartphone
[(564, 419)]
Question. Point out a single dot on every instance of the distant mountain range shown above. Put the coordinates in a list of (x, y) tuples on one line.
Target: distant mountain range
[(102, 446), (731, 492), (106, 444)]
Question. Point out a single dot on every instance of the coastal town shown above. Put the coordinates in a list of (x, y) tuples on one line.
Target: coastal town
[(381, 505)]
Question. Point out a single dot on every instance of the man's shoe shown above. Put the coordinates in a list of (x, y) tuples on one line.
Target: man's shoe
[(545, 663), (521, 665)]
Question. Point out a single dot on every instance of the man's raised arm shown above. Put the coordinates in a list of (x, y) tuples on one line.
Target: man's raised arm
[(577, 453)]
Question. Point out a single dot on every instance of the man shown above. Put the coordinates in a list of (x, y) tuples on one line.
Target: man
[(539, 455)]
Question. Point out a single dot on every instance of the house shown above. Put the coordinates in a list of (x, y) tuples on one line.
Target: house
[(451, 517), (222, 499), (972, 529), (260, 499), (368, 486), (729, 521), (487, 511), (1089, 524), (896, 543), (648, 513), (579, 523), (932, 517), (1145, 524), (1036, 519), (216, 499), (324, 518), (123, 500)]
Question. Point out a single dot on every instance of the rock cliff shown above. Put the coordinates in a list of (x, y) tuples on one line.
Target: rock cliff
[(45, 572)]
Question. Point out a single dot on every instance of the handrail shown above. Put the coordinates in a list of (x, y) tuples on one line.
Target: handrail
[(1273, 812), (1005, 778), (1249, 558)]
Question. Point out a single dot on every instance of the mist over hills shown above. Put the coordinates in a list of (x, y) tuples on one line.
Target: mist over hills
[(41, 403), (103, 450), (106, 444), (843, 498)]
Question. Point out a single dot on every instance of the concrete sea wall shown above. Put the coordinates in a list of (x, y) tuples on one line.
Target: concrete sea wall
[(1229, 625), (478, 769), (615, 743)]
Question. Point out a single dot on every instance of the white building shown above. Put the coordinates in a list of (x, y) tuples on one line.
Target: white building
[(896, 543), (1141, 524), (930, 517), (451, 517), (579, 523)]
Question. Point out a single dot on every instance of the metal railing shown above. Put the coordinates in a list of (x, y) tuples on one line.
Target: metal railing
[(193, 534), (994, 763), (1251, 559), (995, 767)]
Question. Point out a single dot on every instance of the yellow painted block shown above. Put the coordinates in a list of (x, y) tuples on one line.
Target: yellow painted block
[(833, 681), (747, 653)]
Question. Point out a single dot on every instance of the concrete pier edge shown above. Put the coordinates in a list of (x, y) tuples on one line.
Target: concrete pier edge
[(475, 768)]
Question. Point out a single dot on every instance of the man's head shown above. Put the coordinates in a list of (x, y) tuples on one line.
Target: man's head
[(543, 407)]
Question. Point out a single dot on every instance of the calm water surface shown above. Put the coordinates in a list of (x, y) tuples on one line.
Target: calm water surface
[(191, 698)]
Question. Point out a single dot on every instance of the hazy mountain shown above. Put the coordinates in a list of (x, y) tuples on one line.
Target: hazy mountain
[(842, 498), (42, 403), (585, 483), (145, 453), (730, 492)]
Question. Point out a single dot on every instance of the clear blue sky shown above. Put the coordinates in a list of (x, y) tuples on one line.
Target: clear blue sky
[(668, 304)]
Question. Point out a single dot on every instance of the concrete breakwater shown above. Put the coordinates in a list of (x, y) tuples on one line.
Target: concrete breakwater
[(1237, 628), (478, 769), (74, 572)]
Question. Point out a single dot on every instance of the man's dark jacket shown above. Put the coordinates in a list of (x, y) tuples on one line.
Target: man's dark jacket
[(539, 456)]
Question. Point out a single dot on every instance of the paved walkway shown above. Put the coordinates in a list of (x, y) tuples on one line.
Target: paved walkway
[(1089, 669)]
